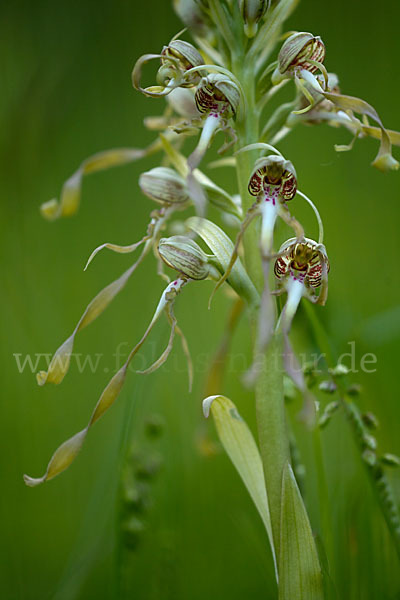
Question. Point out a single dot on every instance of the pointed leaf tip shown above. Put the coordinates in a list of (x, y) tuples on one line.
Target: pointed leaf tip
[(207, 402), (32, 482)]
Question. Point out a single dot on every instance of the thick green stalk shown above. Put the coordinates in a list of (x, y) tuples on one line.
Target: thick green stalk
[(270, 407)]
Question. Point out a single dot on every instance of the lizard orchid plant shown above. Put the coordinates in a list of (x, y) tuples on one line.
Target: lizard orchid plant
[(239, 58)]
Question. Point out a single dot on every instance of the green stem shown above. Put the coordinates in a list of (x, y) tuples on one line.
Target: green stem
[(248, 133), (223, 22), (270, 408)]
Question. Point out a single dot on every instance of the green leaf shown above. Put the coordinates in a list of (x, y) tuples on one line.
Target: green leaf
[(299, 570), (59, 364), (222, 247), (70, 198), (241, 448)]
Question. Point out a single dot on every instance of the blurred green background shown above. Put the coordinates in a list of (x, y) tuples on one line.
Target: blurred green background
[(66, 94)]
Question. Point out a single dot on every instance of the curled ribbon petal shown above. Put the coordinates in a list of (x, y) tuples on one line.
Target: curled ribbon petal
[(71, 191), (154, 91), (67, 452), (60, 362), (116, 248), (384, 160)]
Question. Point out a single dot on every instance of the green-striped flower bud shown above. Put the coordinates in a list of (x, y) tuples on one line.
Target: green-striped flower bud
[(164, 185), (217, 94), (185, 256), (252, 12), (298, 49), (296, 52)]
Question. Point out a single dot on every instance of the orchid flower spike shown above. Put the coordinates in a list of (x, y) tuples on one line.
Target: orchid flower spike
[(301, 269), (176, 59), (217, 97)]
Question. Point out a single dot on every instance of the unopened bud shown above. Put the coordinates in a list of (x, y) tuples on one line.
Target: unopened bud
[(185, 256), (369, 441), (328, 386), (391, 460), (132, 530), (354, 390), (252, 11), (369, 457), (340, 370), (147, 469), (296, 52), (164, 185), (370, 420)]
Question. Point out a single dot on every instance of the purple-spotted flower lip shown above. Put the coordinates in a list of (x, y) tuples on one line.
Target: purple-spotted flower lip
[(305, 261), (218, 94), (273, 177), (218, 98)]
